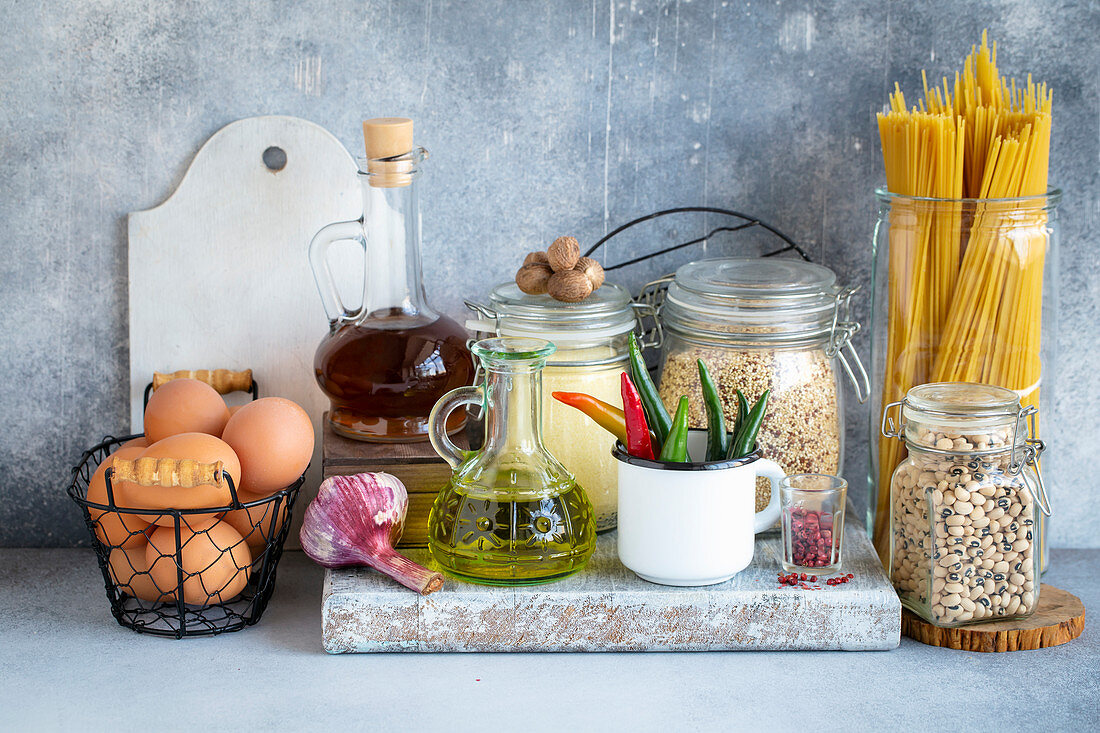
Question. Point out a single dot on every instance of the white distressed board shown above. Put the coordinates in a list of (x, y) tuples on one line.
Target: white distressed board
[(219, 272), (607, 608)]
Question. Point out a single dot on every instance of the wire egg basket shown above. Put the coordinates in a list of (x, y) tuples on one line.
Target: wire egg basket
[(182, 572), (143, 554)]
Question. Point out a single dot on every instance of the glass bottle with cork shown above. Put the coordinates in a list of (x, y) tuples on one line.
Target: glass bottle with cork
[(384, 364)]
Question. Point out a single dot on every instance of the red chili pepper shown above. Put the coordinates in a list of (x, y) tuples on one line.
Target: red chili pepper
[(637, 429)]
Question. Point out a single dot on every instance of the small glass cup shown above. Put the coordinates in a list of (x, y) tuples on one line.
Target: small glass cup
[(812, 510)]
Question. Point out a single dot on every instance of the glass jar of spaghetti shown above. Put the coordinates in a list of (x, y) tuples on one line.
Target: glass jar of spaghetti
[(591, 340), (964, 291), (965, 504), (759, 324)]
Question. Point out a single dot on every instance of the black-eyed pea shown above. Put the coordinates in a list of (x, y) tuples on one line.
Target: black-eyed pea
[(1020, 545), (1013, 605), (1027, 599)]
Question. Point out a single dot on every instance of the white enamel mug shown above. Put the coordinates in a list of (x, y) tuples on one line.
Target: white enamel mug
[(691, 523)]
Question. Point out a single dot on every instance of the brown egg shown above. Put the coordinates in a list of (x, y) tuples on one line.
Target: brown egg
[(273, 438), (136, 442), (113, 528), (254, 523), (214, 558), (130, 572), (196, 446), (184, 406)]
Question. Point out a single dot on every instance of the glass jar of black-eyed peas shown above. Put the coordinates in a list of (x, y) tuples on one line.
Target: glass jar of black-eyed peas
[(965, 504)]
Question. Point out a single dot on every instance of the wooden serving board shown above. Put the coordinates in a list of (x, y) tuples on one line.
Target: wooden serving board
[(607, 608), (417, 465), (219, 273), (1059, 619)]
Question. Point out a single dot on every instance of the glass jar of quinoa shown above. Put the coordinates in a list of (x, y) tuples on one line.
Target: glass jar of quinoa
[(591, 340), (965, 504), (765, 324)]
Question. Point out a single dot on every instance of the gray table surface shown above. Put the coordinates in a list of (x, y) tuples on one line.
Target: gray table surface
[(65, 664)]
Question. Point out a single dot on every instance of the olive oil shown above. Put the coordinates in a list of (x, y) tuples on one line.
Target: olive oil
[(511, 514), (492, 536)]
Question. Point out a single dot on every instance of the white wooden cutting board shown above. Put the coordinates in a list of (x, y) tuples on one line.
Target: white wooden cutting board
[(219, 273), (606, 608)]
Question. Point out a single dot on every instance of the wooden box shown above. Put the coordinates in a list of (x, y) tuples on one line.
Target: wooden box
[(418, 466)]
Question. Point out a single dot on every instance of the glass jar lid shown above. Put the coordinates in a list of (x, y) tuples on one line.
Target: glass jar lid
[(968, 419), (979, 416), (607, 313), (760, 299)]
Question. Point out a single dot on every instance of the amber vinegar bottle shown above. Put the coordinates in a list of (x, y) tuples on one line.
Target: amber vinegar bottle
[(384, 365)]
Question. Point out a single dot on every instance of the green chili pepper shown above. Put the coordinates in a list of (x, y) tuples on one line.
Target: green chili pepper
[(717, 438), (655, 412), (745, 440), (675, 449), (742, 413)]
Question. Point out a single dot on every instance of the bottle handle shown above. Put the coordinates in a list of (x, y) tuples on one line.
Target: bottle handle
[(437, 423), (318, 260), (769, 515)]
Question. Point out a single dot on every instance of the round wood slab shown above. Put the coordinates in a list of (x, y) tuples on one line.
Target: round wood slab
[(1060, 618)]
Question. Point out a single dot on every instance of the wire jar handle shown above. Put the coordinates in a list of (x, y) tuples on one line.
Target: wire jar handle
[(1025, 452)]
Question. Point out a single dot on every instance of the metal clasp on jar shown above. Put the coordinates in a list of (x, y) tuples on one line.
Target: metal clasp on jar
[(648, 304), (1025, 452), (841, 333)]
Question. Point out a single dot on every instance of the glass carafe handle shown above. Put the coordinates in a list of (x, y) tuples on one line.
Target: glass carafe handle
[(437, 423), (318, 259)]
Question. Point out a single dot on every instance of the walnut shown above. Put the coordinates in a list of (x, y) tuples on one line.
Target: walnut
[(563, 254), (592, 270), (569, 286), (536, 258), (534, 278)]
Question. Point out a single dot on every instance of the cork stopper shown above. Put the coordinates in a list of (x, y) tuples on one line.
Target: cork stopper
[(387, 137)]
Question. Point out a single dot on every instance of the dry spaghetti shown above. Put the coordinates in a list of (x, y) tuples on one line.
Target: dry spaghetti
[(965, 265)]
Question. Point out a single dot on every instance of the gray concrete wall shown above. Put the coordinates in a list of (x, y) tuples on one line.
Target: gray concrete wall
[(542, 118)]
